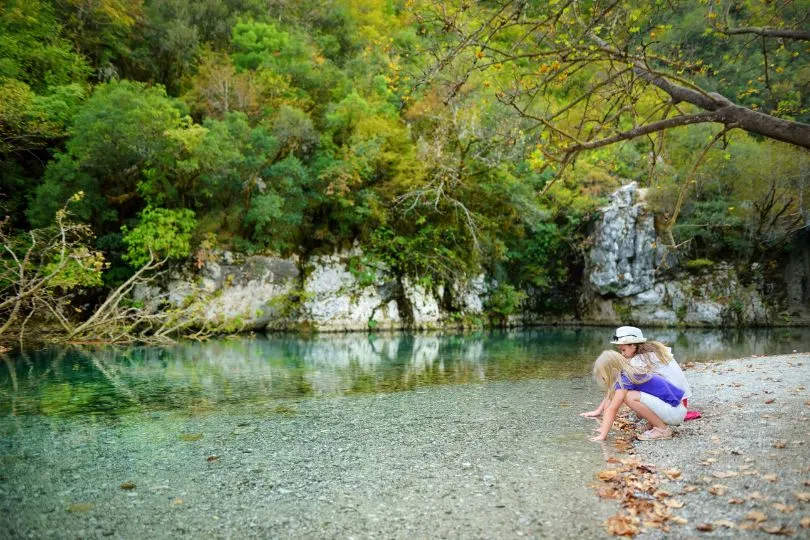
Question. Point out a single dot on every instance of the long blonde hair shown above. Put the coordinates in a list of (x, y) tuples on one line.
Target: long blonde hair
[(608, 370), (657, 349)]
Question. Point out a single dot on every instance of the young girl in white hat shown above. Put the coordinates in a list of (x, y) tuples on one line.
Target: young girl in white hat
[(650, 396)]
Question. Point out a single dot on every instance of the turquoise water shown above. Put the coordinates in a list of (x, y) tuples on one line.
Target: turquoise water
[(388, 436), (250, 374)]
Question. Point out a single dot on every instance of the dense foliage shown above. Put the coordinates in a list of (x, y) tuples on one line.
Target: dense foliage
[(305, 126)]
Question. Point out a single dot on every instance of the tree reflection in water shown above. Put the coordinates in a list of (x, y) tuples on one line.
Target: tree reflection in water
[(262, 373)]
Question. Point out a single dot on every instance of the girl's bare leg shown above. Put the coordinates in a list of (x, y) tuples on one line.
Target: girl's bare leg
[(633, 400)]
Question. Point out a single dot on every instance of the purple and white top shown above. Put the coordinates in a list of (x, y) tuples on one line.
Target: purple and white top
[(656, 386)]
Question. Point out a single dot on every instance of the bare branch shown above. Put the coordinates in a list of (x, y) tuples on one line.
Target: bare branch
[(783, 33)]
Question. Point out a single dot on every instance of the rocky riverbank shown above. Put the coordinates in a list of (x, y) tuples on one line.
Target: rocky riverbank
[(628, 278)]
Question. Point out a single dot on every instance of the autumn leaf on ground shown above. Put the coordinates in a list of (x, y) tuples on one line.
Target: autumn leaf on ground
[(780, 530), (769, 401), (672, 474), (674, 503), (620, 525), (803, 496), (725, 474), (177, 501), (718, 489), (784, 508), (679, 520), (689, 488), (609, 493), (736, 500), (755, 515), (705, 527), (128, 486), (769, 477), (805, 523), (780, 443), (724, 523), (607, 475)]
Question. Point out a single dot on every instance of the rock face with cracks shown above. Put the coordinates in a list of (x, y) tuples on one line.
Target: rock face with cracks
[(632, 278), (332, 293)]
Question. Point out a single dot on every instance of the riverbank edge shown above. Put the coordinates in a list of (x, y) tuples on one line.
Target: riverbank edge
[(745, 465), (45, 335)]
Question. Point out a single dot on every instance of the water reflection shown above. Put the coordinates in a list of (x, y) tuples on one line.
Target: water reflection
[(255, 373)]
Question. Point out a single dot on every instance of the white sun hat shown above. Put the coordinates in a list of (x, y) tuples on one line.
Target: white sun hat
[(625, 335)]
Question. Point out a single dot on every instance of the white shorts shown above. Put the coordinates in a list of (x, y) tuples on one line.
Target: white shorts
[(667, 413)]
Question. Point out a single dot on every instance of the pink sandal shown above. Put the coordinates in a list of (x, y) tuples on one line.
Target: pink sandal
[(655, 434)]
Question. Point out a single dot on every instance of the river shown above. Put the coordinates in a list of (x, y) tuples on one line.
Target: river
[(392, 435)]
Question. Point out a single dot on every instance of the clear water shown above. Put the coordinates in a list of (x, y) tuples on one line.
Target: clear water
[(271, 437), (248, 374)]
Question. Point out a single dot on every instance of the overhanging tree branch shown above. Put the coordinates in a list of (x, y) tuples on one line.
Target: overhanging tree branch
[(784, 33)]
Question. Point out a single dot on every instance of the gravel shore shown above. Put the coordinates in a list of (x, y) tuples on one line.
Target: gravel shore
[(495, 460), (746, 464)]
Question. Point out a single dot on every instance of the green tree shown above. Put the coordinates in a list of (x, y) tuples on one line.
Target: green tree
[(118, 138), (160, 234), (34, 49)]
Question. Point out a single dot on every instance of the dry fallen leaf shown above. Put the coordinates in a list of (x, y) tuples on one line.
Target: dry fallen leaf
[(177, 501), (784, 508), (757, 516), (780, 443), (689, 488), (678, 520), (736, 500), (705, 527), (661, 494), (128, 486), (724, 523), (718, 489), (672, 474), (805, 523), (757, 496), (725, 474), (803, 496), (609, 493), (769, 477), (674, 503), (607, 475), (620, 525), (780, 530), (769, 401)]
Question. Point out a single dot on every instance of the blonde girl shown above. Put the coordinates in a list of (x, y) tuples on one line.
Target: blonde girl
[(650, 396), (653, 356)]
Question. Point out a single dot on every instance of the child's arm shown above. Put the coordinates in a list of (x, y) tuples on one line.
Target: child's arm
[(596, 412), (610, 415)]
